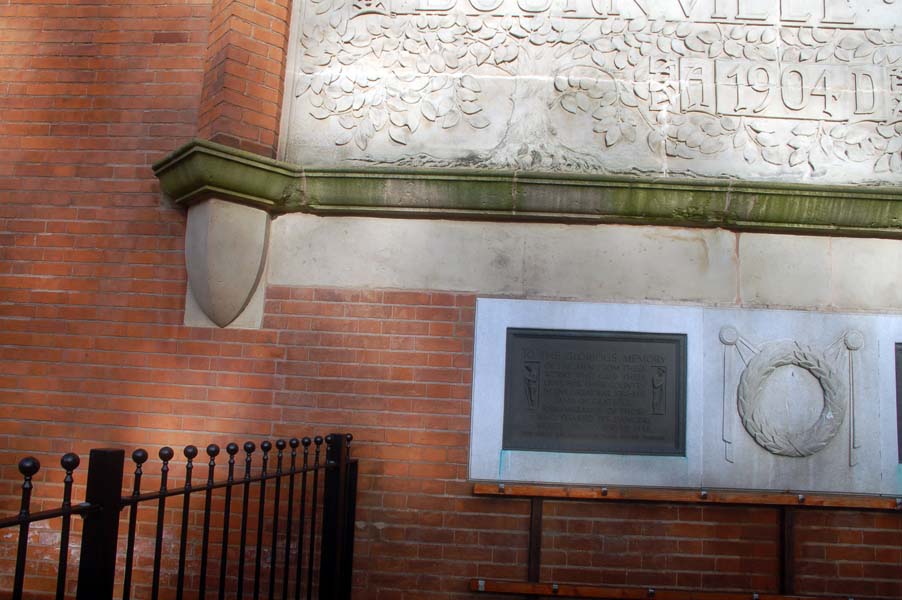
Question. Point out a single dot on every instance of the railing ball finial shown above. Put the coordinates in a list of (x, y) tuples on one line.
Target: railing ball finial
[(294, 442), (249, 447), (232, 448), (166, 453), (306, 442), (330, 439), (140, 456), (266, 445), (281, 445), (213, 450), (70, 461), (349, 437), (318, 440), (190, 452), (28, 466)]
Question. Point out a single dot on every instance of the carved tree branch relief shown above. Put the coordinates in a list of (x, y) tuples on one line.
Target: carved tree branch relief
[(802, 90)]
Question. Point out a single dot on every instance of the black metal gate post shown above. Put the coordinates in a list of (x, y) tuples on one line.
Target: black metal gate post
[(97, 568), (337, 553), (347, 543)]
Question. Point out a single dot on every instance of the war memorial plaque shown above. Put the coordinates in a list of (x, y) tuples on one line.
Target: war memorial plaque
[(595, 392), (899, 399), (686, 396)]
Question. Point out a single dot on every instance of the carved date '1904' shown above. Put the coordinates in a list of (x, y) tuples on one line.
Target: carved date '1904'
[(793, 86)]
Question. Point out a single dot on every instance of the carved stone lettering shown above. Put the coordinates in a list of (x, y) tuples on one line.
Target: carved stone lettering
[(782, 90)]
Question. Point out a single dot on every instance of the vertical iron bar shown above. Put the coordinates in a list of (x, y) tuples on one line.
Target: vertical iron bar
[(286, 572), (266, 446), (311, 551), (97, 567), (334, 513), (535, 539), (249, 448), (280, 445), (231, 450), (212, 452), (69, 462), (297, 582), (350, 515), (190, 453), (786, 523), (28, 467), (166, 455), (139, 457)]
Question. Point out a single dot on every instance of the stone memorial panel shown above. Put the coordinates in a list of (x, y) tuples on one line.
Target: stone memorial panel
[(772, 90), (569, 392), (604, 392)]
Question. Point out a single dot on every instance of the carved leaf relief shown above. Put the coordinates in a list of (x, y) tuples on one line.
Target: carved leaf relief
[(558, 89)]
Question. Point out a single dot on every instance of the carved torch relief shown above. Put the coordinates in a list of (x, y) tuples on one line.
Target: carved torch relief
[(797, 90)]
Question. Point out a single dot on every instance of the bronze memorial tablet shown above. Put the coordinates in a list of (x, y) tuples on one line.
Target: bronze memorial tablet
[(899, 399), (595, 392)]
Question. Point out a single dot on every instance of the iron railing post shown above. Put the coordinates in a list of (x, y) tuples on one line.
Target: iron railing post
[(350, 516), (334, 570), (28, 467), (97, 568)]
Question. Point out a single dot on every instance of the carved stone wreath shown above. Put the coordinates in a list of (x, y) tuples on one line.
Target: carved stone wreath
[(777, 440)]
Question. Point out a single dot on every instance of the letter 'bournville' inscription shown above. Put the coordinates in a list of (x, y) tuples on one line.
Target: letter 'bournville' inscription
[(787, 90), (603, 392)]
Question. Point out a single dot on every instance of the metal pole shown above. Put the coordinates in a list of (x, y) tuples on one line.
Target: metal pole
[(334, 516), (97, 568), (535, 540)]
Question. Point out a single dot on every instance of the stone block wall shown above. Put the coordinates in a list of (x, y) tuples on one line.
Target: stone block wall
[(93, 350)]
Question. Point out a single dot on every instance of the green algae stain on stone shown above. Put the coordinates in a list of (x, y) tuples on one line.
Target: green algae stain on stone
[(202, 170)]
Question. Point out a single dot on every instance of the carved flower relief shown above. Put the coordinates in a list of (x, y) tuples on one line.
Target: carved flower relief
[(666, 84)]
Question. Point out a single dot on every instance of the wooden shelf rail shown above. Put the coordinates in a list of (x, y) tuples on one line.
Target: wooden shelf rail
[(523, 588), (787, 503), (690, 496)]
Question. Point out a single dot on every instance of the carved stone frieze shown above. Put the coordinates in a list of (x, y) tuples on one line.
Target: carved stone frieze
[(790, 90)]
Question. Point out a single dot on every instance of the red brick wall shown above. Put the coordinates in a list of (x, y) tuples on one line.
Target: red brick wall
[(394, 369), (92, 351), (245, 72)]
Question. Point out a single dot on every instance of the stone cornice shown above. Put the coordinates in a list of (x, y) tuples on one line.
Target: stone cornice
[(202, 169)]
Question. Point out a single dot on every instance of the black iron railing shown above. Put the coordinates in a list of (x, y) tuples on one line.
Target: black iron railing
[(289, 571)]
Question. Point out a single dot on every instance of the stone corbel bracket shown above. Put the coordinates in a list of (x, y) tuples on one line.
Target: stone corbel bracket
[(232, 195)]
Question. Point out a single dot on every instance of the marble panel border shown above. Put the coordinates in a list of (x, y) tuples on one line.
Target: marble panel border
[(487, 459)]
